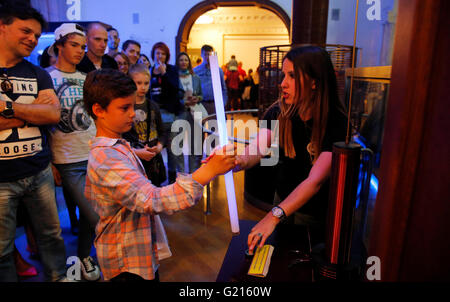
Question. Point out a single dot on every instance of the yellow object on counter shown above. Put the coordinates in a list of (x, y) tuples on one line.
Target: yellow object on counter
[(261, 261)]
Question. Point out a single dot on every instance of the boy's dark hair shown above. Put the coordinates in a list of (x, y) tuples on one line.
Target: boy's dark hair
[(111, 29), (207, 47), (104, 85), (128, 42), (21, 10)]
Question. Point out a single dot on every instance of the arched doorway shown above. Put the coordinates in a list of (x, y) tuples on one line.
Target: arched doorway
[(192, 15)]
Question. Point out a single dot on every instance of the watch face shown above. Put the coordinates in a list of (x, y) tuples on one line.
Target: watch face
[(8, 112), (277, 212)]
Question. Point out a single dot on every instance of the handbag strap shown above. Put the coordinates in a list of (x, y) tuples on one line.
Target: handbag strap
[(149, 122)]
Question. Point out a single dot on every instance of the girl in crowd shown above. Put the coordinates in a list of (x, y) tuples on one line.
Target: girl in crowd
[(192, 88), (122, 61), (311, 119)]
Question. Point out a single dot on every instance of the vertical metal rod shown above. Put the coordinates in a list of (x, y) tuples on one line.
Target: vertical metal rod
[(347, 138), (208, 200)]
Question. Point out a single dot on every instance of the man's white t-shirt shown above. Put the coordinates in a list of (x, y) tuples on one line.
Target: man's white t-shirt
[(69, 139)]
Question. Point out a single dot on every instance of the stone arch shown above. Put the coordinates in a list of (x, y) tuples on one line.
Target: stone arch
[(199, 9)]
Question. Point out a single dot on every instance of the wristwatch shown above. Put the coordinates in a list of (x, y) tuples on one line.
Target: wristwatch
[(8, 111), (279, 213)]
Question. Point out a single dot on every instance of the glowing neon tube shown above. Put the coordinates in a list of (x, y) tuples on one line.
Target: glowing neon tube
[(223, 138)]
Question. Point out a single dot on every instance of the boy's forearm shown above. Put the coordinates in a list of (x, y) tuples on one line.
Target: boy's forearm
[(203, 175)]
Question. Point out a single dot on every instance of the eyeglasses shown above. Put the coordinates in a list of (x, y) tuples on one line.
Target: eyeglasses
[(6, 84)]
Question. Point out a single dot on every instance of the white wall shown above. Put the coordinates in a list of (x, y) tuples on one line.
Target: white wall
[(369, 34), (160, 20)]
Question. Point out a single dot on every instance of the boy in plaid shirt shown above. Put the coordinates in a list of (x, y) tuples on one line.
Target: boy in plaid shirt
[(118, 189)]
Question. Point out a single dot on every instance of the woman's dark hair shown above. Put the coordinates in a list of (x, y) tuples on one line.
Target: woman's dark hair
[(164, 47), (44, 59), (189, 59), (143, 55), (123, 56), (313, 65), (19, 9), (104, 85)]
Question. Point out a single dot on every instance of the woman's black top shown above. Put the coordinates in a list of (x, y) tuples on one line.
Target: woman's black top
[(290, 172)]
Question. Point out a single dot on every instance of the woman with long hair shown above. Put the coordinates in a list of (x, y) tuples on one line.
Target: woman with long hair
[(310, 119), (122, 61), (192, 97)]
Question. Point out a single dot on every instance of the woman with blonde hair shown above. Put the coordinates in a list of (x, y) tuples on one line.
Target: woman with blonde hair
[(192, 97)]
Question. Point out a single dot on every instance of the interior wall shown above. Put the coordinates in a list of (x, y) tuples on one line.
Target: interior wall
[(153, 21), (374, 37), (145, 21)]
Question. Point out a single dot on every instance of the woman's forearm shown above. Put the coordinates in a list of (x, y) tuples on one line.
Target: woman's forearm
[(300, 196), (253, 153)]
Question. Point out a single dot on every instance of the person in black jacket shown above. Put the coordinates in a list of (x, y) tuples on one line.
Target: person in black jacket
[(165, 91), (95, 57)]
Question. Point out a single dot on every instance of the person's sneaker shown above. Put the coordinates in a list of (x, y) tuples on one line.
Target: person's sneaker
[(90, 270), (65, 279)]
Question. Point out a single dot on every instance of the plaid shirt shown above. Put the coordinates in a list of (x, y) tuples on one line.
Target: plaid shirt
[(126, 201)]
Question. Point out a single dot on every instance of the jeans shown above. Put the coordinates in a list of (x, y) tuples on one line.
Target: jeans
[(174, 162), (38, 195), (73, 178)]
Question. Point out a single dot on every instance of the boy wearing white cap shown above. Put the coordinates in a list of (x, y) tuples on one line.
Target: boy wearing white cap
[(69, 138)]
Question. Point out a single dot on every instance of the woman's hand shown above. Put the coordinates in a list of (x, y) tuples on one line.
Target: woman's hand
[(262, 231), (191, 100), (241, 163), (194, 99), (160, 67)]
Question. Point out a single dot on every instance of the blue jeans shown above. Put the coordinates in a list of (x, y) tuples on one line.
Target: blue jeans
[(38, 195), (194, 159), (174, 162), (73, 178)]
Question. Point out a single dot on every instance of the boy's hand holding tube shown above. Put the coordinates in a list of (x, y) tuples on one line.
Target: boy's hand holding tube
[(222, 160)]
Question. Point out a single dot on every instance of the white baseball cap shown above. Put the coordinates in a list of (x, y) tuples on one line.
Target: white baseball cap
[(63, 30)]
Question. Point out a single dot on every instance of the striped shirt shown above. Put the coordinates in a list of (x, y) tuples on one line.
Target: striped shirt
[(126, 201)]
